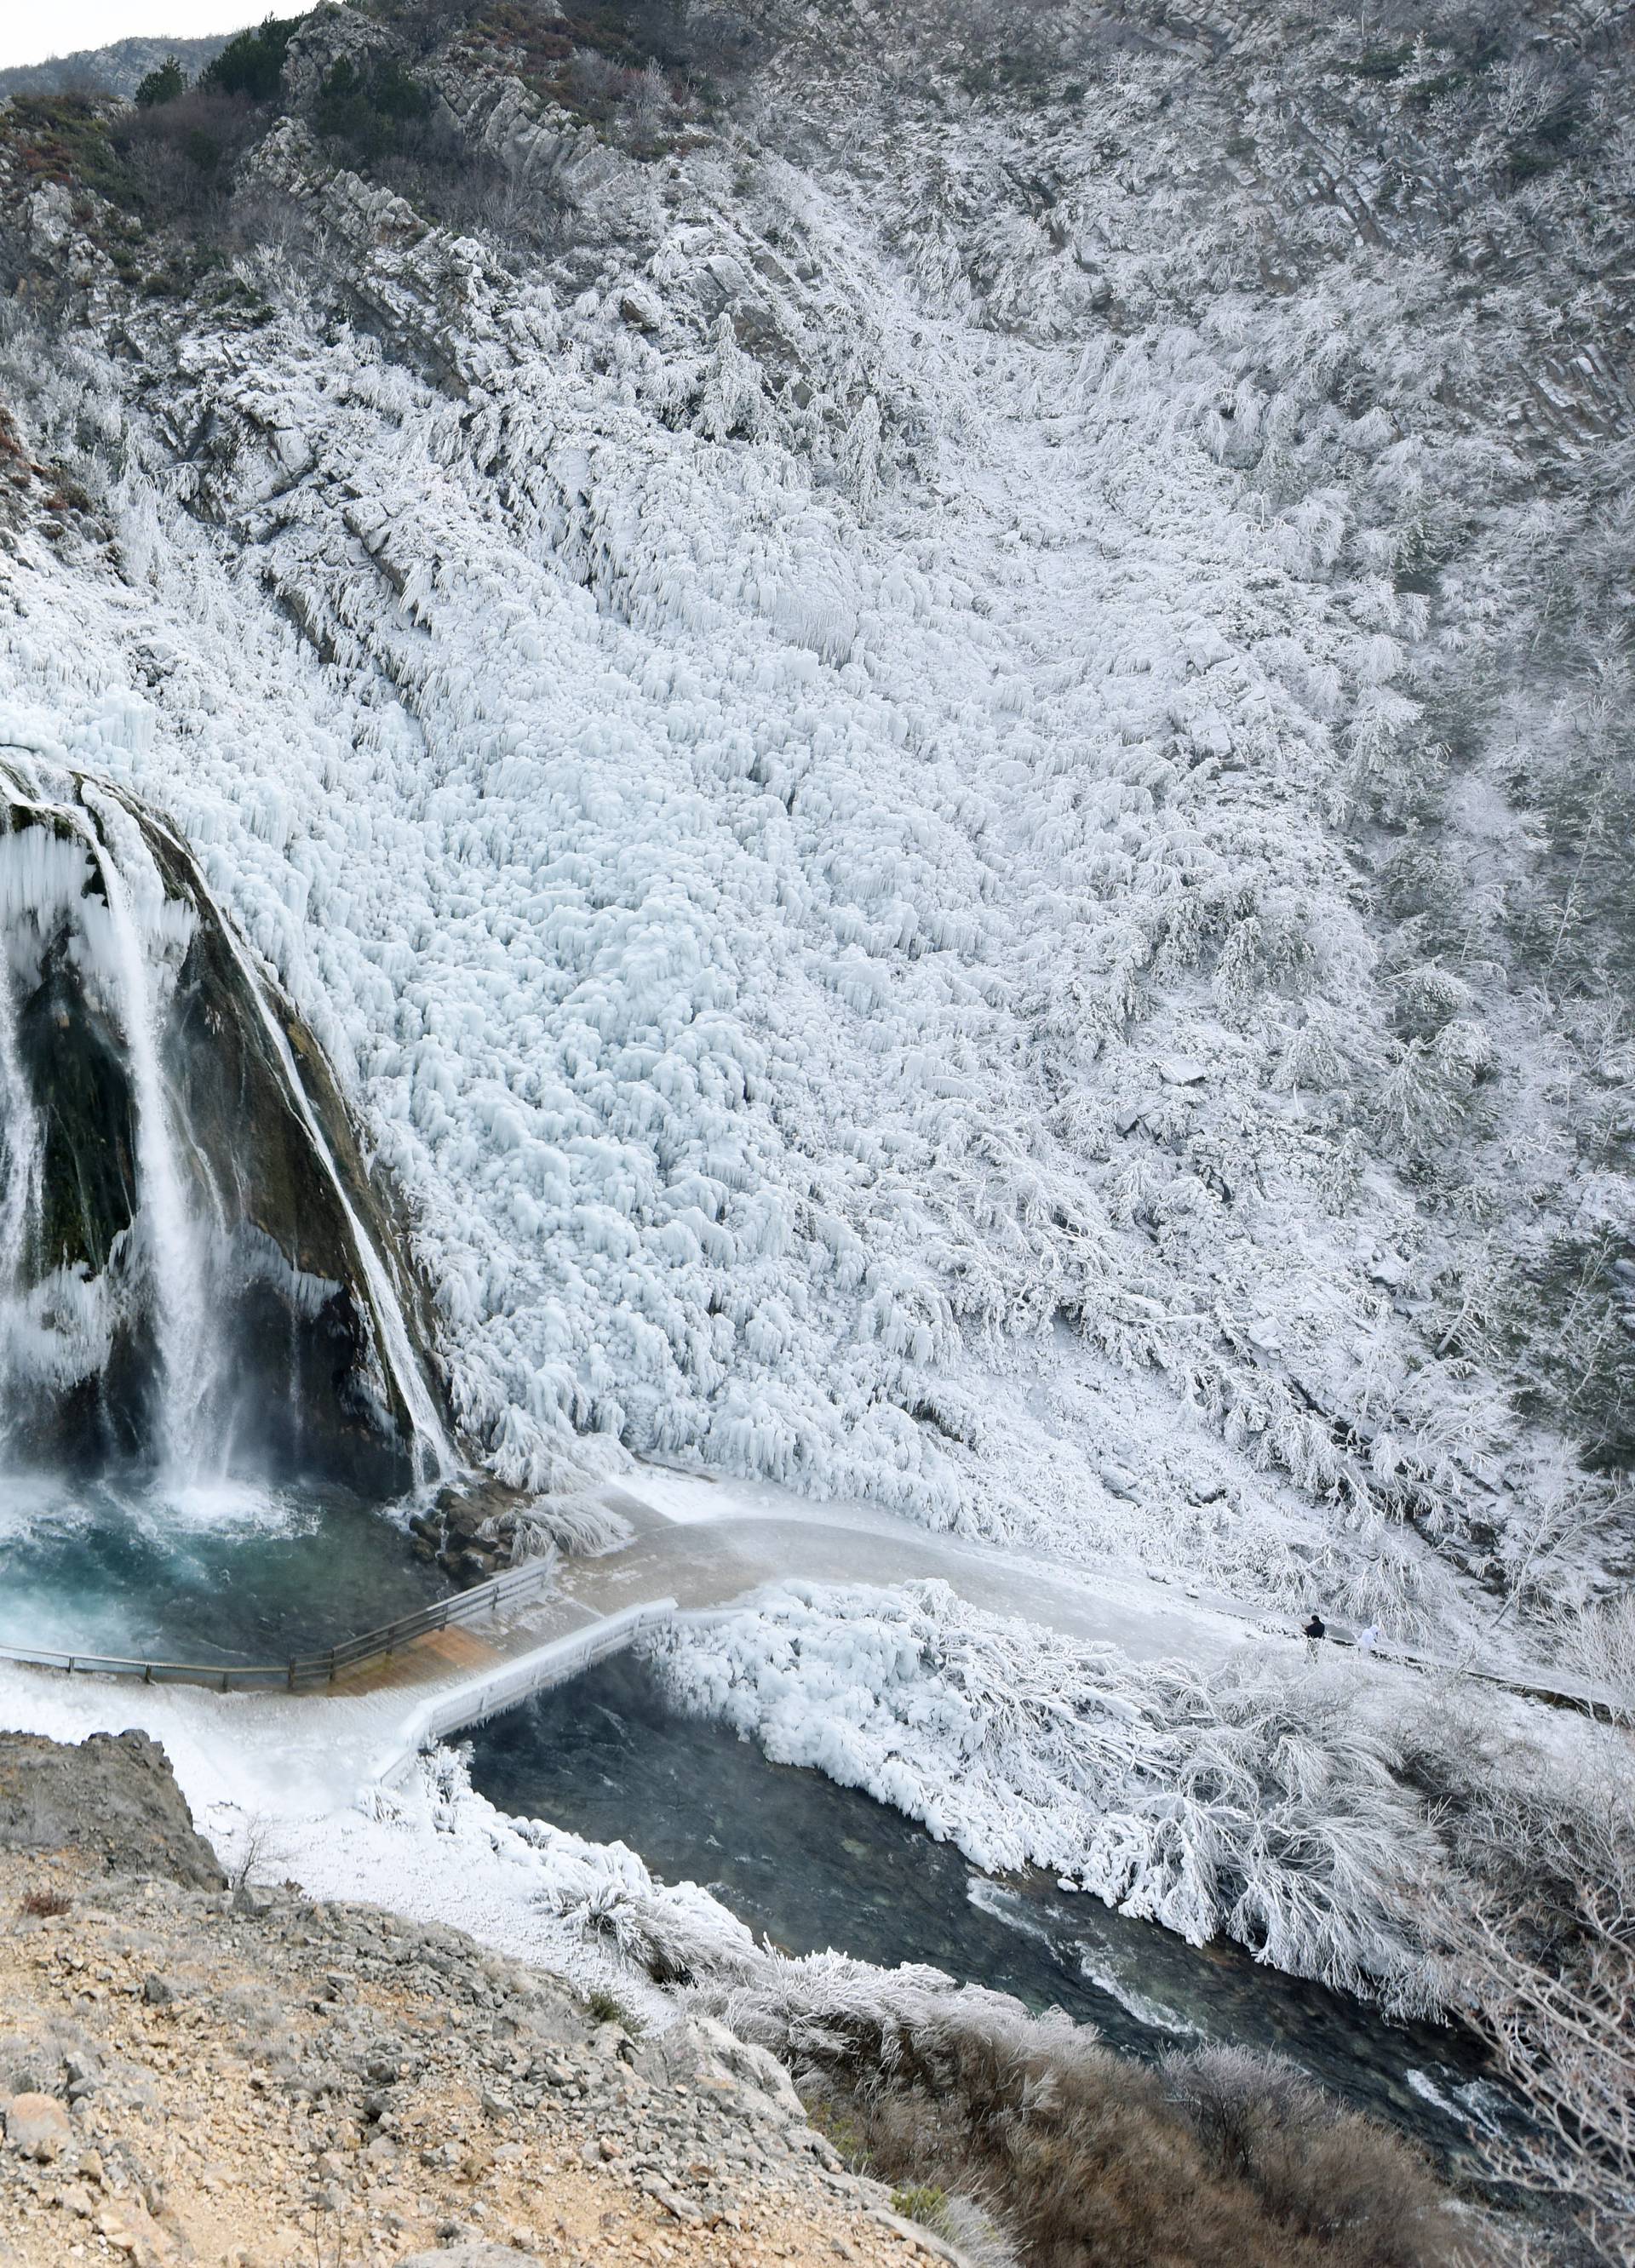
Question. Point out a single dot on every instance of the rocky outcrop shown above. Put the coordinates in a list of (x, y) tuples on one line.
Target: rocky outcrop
[(252, 2078), (113, 1798), (117, 69), (466, 1532), (476, 1532)]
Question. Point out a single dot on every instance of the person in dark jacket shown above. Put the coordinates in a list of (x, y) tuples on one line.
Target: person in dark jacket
[(1316, 1628)]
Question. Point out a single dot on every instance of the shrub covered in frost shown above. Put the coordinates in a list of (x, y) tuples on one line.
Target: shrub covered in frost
[(1082, 2158), (1244, 1799)]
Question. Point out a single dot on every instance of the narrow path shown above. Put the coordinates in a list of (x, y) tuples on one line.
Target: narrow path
[(706, 1543), (695, 1544), (698, 1544)]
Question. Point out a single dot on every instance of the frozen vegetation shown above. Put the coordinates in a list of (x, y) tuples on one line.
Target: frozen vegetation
[(932, 707), (1244, 1799), (939, 745)]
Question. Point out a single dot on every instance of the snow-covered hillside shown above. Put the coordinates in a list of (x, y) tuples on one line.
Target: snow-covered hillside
[(937, 731)]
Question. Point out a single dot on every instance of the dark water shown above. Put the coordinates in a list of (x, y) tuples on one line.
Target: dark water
[(228, 1572), (813, 1865)]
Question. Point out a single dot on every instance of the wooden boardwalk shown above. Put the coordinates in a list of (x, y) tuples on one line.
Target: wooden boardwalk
[(486, 1625), (435, 1656)]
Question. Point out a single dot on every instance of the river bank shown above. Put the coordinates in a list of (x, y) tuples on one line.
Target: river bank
[(248, 2078)]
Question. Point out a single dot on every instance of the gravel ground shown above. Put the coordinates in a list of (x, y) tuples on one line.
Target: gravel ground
[(254, 2080)]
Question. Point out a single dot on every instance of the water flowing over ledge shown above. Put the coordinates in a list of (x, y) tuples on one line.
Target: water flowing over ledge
[(195, 1282)]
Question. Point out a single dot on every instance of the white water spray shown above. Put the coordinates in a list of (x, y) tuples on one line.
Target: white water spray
[(172, 1245), (19, 1197), (53, 1330)]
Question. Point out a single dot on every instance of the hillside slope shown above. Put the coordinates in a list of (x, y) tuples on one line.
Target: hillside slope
[(118, 68), (254, 2075), (935, 723)]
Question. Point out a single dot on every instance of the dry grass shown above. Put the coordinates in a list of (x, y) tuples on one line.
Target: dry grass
[(1089, 2161), (43, 1905)]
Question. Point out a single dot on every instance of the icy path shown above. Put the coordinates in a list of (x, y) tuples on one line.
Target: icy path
[(705, 1543), (697, 1545), (300, 1768)]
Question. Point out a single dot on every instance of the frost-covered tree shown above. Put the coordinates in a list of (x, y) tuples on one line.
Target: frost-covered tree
[(937, 727)]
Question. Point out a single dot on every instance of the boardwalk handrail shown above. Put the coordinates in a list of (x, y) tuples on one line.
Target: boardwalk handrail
[(476, 1699), (301, 1672)]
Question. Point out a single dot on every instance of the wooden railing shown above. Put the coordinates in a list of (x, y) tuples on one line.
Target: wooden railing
[(304, 1673)]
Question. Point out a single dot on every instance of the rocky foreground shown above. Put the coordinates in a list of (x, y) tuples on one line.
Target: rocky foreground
[(238, 2076)]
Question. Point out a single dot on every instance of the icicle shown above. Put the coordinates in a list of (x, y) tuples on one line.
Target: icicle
[(41, 873)]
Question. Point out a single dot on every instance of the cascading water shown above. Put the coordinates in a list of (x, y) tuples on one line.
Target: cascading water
[(208, 1387), (19, 1159), (433, 1451), (173, 1239), (189, 1288)]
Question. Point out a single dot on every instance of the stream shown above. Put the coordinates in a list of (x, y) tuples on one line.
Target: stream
[(813, 1865)]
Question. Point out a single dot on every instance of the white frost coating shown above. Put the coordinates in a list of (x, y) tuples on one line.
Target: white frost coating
[(258, 1258), (61, 1329), (433, 1452), (819, 844), (1242, 1801)]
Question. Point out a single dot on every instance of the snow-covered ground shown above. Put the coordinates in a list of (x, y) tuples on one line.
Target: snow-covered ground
[(819, 826), (929, 792)]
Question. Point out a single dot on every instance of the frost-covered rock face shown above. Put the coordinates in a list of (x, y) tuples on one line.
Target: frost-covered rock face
[(914, 740), (185, 1281)]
